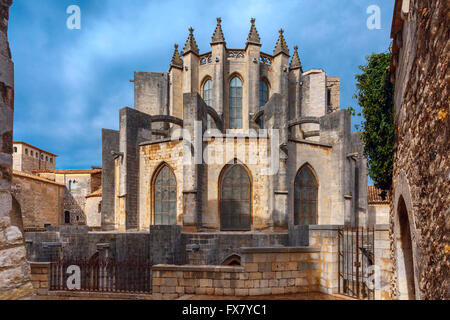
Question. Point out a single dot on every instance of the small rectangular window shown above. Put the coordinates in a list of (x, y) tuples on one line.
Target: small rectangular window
[(26, 151)]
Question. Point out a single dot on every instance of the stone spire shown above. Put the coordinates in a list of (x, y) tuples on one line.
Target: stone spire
[(253, 36), (191, 44), (176, 59), (218, 37), (295, 62), (281, 46)]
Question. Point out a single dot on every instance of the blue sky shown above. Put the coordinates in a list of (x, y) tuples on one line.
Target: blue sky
[(71, 83)]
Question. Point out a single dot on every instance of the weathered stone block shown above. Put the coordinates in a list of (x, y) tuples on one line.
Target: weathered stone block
[(206, 283), (278, 291), (241, 292), (251, 267)]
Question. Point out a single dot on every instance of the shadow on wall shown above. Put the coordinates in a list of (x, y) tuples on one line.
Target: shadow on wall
[(405, 255), (16, 215), (76, 213)]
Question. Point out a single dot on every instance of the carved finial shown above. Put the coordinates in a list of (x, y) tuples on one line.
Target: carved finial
[(295, 62), (176, 59), (191, 44), (253, 36), (281, 46), (218, 33)]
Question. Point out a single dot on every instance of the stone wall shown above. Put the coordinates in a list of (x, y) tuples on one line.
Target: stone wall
[(41, 201), (265, 271), (14, 268), (422, 165), (93, 212), (383, 262), (165, 245), (75, 242), (325, 238), (378, 214), (75, 196), (40, 272), (215, 248)]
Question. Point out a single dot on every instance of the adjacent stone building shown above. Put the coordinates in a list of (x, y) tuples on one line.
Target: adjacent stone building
[(27, 158), (199, 146), (40, 201), (420, 223), (79, 187), (14, 269)]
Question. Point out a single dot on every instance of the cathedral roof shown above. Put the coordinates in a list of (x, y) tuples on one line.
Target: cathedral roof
[(176, 59), (295, 62), (281, 46), (191, 44), (218, 36), (253, 36)]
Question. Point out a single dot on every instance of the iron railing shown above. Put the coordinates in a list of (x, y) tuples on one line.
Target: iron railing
[(101, 276), (355, 262)]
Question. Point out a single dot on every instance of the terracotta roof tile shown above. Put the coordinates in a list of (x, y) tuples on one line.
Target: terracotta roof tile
[(97, 193), (31, 146), (34, 177), (75, 171), (373, 196)]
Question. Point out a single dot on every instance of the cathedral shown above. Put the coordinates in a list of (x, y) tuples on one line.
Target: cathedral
[(233, 140)]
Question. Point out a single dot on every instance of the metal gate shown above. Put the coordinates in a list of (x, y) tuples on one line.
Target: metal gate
[(355, 262), (102, 276)]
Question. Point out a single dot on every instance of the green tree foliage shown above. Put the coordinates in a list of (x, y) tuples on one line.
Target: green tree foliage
[(375, 95)]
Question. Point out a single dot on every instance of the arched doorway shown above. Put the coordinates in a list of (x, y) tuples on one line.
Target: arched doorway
[(306, 189), (67, 219), (235, 199), (405, 262), (233, 260)]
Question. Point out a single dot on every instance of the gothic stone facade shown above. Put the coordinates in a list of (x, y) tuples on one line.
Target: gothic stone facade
[(217, 98), (420, 208)]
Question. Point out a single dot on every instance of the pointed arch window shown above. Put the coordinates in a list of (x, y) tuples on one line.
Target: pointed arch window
[(236, 103), (165, 197), (306, 193), (207, 97), (235, 200), (263, 99)]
